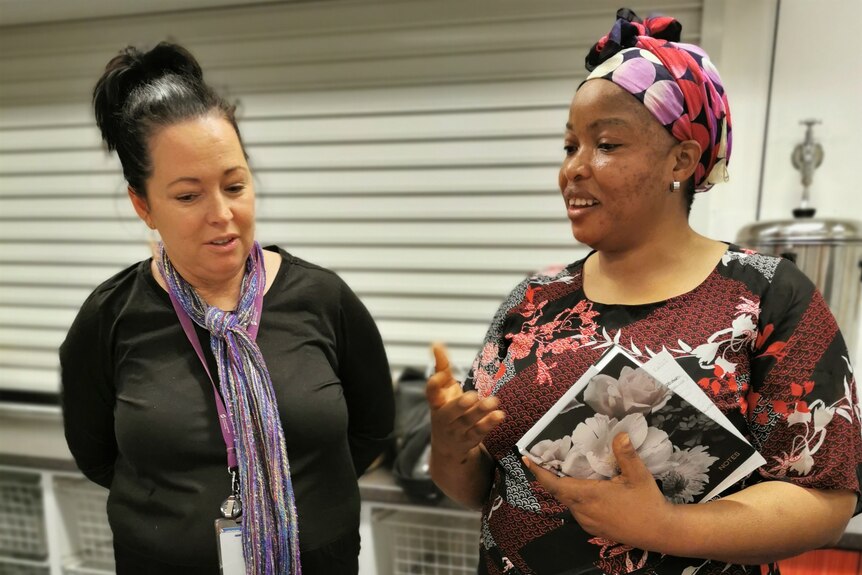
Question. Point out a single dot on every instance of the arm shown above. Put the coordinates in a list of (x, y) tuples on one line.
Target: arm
[(464, 480), (741, 528), (460, 465), (366, 380), (459, 421), (760, 524), (802, 420), (88, 396)]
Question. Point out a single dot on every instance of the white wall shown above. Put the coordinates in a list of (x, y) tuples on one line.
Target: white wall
[(737, 34), (818, 74)]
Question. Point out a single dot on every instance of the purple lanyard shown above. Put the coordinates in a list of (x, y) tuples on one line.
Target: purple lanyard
[(224, 421)]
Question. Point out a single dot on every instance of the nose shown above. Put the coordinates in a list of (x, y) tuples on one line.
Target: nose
[(219, 210), (575, 166)]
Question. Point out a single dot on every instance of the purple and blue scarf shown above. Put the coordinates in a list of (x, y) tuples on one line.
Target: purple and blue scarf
[(269, 526)]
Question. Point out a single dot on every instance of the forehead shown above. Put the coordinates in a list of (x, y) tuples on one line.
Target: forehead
[(201, 140), (602, 102)]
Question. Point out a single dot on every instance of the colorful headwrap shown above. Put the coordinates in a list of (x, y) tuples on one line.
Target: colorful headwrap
[(676, 82)]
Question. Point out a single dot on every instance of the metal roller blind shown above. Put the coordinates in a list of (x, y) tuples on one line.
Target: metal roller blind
[(412, 147)]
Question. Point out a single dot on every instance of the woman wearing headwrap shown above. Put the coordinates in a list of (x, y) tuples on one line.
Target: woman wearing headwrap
[(219, 378), (648, 128)]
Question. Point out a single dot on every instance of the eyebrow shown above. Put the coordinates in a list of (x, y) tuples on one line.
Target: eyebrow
[(196, 180), (602, 122)]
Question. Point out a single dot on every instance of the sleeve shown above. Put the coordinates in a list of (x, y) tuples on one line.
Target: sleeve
[(490, 365), (366, 380), (803, 408), (87, 396)]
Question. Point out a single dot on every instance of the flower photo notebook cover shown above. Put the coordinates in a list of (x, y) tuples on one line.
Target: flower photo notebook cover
[(689, 446)]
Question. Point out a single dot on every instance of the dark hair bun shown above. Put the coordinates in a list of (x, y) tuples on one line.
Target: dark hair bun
[(142, 92), (130, 70)]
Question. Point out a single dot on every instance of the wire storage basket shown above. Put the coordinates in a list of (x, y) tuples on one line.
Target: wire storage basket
[(22, 569), (416, 542), (83, 507), (22, 517)]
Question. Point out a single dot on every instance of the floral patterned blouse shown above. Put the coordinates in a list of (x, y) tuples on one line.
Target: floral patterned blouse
[(766, 349)]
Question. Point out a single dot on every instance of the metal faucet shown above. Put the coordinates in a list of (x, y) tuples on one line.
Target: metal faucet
[(806, 158)]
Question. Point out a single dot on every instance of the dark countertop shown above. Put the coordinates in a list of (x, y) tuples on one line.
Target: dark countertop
[(376, 486), (40, 463)]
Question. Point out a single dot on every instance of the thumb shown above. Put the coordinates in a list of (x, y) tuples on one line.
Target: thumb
[(441, 358), (548, 480), (632, 467), (441, 387)]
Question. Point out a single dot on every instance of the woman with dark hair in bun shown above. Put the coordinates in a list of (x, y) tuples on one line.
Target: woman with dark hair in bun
[(648, 128), (217, 379)]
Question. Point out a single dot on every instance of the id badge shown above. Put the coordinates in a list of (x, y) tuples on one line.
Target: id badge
[(229, 540)]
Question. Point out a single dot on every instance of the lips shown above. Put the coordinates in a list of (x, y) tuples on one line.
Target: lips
[(579, 201), (223, 241)]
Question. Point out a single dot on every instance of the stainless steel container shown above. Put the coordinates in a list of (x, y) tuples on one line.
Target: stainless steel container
[(828, 251)]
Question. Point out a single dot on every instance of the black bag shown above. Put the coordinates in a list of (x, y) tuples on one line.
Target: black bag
[(410, 468)]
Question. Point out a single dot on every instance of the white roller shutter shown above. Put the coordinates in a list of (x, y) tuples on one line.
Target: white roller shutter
[(411, 146)]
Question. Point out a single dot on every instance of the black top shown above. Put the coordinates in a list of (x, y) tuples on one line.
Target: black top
[(140, 415)]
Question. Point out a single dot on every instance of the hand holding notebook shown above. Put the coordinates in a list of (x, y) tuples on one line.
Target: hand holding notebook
[(685, 442)]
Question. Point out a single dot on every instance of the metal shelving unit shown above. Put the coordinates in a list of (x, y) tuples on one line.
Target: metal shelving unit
[(90, 544), (53, 523), (425, 541), (23, 536)]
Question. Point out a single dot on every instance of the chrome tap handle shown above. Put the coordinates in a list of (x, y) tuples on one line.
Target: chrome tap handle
[(806, 158)]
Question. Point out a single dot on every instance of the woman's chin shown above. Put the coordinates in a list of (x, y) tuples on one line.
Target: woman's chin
[(217, 272), (584, 237)]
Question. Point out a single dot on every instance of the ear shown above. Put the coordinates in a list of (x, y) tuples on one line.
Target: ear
[(687, 155), (142, 208)]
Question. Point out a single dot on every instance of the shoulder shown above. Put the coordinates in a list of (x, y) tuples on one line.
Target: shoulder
[(115, 289), (105, 302), (765, 274), (787, 297), (302, 277), (304, 269), (738, 261), (549, 283), (552, 279)]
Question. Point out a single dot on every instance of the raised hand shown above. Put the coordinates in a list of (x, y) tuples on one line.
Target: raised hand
[(459, 420)]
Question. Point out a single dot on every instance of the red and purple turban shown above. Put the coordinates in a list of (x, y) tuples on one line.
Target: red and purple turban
[(676, 82)]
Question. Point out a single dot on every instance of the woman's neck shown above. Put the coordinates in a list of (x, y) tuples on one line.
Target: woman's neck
[(223, 295), (653, 270), (226, 295)]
